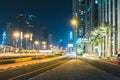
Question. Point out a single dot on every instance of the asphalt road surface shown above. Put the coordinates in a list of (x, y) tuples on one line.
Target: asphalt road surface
[(26, 72), (80, 70), (64, 69)]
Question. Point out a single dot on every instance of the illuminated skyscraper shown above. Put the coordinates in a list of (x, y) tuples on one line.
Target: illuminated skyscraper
[(91, 15), (23, 29), (22, 23), (79, 28), (109, 11), (44, 38), (49, 40), (26, 25), (79, 14), (31, 22), (10, 29)]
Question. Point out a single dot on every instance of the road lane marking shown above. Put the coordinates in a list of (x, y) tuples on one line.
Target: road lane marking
[(37, 70), (11, 68)]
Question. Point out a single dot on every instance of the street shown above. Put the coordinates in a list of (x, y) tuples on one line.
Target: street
[(64, 69), (26, 72)]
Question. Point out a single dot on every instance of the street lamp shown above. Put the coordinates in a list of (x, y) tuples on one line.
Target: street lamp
[(26, 36), (50, 46), (16, 35), (44, 46), (36, 43), (74, 23)]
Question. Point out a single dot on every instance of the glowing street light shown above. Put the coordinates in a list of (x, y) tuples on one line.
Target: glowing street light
[(50, 46), (26, 36), (44, 46), (16, 35), (36, 43), (74, 22), (43, 42)]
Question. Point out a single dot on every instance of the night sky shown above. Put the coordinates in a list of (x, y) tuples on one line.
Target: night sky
[(53, 14)]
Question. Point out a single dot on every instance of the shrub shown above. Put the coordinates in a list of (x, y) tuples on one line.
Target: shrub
[(34, 58), (58, 54), (7, 61)]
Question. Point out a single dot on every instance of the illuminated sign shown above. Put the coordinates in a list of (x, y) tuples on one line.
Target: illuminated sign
[(70, 45)]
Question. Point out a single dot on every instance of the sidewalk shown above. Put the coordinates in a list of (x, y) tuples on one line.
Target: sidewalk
[(6, 66), (115, 62), (110, 61)]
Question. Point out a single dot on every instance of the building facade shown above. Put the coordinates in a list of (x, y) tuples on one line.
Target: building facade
[(23, 29), (96, 13), (105, 11), (9, 30), (91, 21), (31, 22), (109, 11), (44, 38), (26, 26), (49, 41), (79, 14), (78, 29)]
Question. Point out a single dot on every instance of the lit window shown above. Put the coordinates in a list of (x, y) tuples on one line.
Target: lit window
[(96, 1)]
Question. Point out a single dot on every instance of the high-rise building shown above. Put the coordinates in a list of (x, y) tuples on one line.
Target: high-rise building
[(105, 11), (79, 11), (79, 14), (22, 23), (44, 38), (91, 15), (10, 29), (26, 26), (91, 20), (109, 11), (23, 29), (31, 22), (49, 40)]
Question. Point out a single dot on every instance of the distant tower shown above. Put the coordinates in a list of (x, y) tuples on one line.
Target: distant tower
[(22, 23), (4, 38), (49, 40), (44, 37), (31, 22), (9, 33), (23, 29), (79, 13)]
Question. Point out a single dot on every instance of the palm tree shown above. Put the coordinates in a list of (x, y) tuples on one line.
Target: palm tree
[(100, 35)]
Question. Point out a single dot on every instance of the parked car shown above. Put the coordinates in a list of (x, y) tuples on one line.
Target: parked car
[(118, 56)]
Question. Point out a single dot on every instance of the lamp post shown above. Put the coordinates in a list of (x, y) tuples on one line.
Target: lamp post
[(16, 35), (36, 43), (26, 36), (44, 46), (74, 23), (50, 46)]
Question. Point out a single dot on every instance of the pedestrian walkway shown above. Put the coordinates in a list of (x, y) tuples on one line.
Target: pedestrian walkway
[(6, 66), (75, 70), (113, 61)]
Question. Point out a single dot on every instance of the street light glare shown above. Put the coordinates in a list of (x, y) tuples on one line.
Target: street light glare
[(36, 42), (43, 42), (74, 22), (16, 34), (26, 36)]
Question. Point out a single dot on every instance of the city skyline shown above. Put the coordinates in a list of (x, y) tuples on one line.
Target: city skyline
[(54, 17)]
